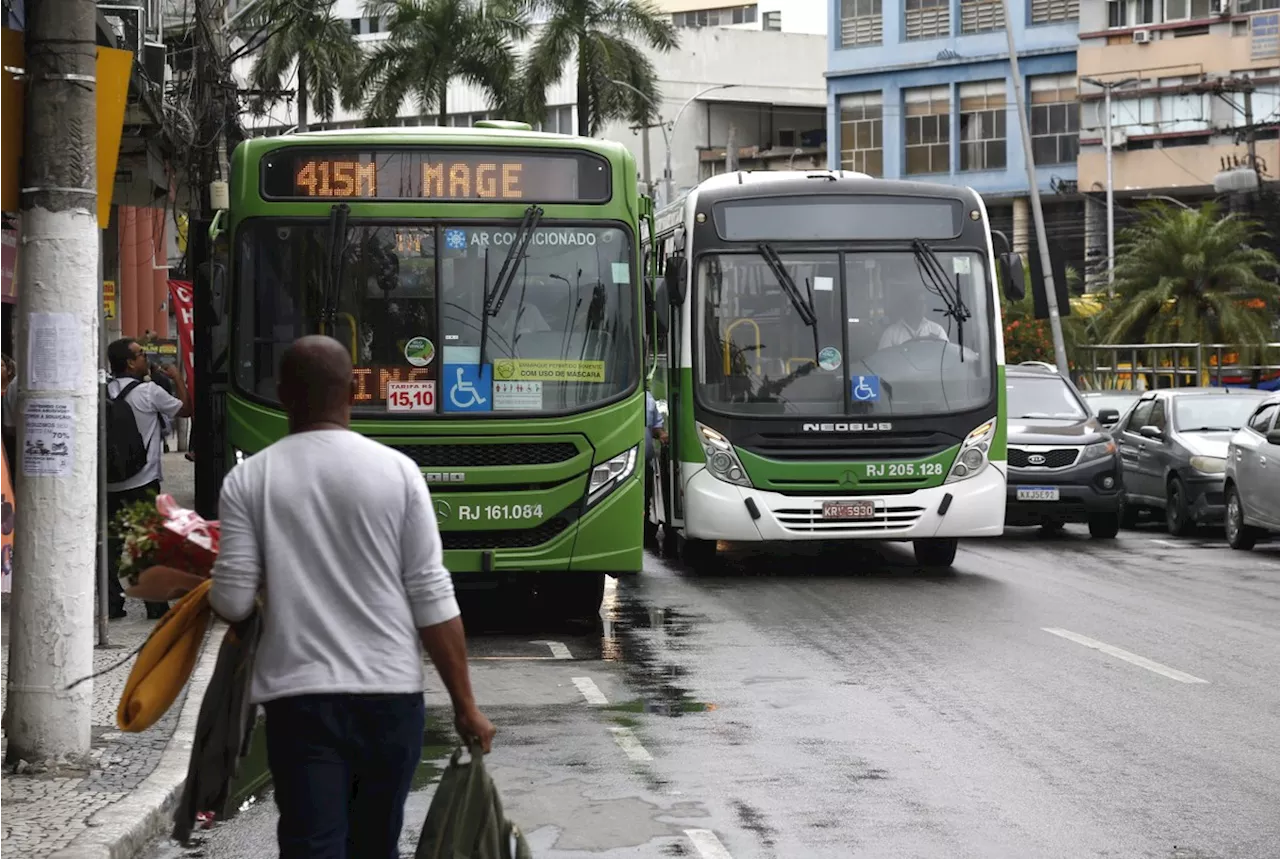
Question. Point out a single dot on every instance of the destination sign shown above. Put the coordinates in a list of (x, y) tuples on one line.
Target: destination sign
[(498, 176)]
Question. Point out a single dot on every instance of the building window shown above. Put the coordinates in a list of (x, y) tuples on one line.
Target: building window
[(773, 20), (722, 17), (1055, 119), (982, 126), (355, 26), (861, 22), (1117, 13), (862, 133), (927, 116), (928, 19), (1048, 11), (1247, 6), (981, 16), (559, 120), (1144, 12)]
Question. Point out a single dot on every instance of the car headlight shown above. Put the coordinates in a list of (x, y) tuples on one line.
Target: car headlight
[(722, 461), (1097, 450), (972, 457), (608, 475), (1209, 464)]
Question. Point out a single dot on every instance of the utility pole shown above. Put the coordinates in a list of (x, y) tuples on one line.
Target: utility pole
[(51, 636), (1107, 87), (1037, 213), (646, 159)]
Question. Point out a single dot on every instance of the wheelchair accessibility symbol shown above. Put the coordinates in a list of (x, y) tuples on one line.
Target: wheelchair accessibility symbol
[(469, 388), (866, 389)]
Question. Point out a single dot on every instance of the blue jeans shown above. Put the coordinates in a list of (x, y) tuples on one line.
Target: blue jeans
[(341, 766)]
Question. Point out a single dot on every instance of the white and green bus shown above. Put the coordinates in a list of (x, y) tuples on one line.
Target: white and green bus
[(829, 354)]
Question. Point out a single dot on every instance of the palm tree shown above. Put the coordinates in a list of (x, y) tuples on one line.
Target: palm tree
[(431, 42), (307, 38), (615, 78), (1192, 275)]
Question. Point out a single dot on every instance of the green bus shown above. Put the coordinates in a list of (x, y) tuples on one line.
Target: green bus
[(487, 283), (831, 362)]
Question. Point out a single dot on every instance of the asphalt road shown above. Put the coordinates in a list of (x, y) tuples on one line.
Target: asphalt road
[(1054, 697)]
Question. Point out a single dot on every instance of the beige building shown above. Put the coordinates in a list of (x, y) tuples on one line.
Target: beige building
[(1184, 74)]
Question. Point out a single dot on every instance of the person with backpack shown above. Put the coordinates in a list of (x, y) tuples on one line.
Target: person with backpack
[(136, 409)]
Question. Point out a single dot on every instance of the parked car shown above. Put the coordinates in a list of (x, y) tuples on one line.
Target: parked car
[(1173, 446), (1110, 406), (1063, 464), (1252, 485)]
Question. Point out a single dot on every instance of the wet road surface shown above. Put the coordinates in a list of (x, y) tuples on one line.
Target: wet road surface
[(1053, 697)]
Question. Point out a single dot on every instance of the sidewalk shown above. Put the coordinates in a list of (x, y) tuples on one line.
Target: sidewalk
[(126, 796)]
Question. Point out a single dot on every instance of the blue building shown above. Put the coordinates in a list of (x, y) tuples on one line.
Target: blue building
[(920, 89)]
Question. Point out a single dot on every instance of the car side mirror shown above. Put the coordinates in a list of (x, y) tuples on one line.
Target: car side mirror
[(1273, 437), (1011, 272), (1108, 417), (674, 278), (1151, 432)]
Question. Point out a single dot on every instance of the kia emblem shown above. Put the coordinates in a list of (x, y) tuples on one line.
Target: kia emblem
[(1036, 459)]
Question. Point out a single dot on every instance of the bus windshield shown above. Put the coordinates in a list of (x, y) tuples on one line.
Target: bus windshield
[(410, 305), (880, 342)]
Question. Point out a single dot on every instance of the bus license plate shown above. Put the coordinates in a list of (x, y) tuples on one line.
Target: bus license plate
[(1037, 493), (848, 509)]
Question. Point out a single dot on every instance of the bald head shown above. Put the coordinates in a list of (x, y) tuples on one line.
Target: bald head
[(315, 382)]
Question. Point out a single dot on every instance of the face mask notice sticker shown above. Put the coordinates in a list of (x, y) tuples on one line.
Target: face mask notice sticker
[(547, 370), (829, 358), (419, 351)]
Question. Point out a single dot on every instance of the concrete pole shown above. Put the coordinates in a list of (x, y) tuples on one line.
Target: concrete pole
[(1111, 201), (1037, 213), (51, 638)]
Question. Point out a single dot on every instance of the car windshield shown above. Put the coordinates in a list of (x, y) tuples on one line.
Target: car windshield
[(1119, 402), (1050, 398), (411, 307), (861, 333), (1211, 413)]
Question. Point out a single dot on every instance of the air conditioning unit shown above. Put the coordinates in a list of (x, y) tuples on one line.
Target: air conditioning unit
[(129, 23), (1219, 7), (1141, 37)]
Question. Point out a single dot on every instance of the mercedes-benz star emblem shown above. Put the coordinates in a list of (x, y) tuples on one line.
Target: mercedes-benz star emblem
[(443, 510)]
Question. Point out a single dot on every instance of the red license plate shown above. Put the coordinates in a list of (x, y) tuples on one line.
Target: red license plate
[(848, 509)]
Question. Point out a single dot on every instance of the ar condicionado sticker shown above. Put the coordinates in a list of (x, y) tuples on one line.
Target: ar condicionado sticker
[(524, 370)]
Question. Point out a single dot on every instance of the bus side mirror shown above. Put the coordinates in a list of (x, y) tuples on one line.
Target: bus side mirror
[(662, 304), (1011, 272), (674, 280)]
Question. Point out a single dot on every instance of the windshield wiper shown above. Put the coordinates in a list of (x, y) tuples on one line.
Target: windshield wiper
[(515, 253), (802, 303), (337, 248), (927, 261)]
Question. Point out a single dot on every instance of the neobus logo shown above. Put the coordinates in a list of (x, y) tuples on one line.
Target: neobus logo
[(881, 427)]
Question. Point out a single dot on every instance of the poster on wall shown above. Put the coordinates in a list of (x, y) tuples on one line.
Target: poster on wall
[(6, 542)]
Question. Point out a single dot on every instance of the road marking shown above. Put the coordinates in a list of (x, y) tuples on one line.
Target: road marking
[(590, 690), (514, 658), (1132, 658), (625, 738), (558, 650), (707, 844)]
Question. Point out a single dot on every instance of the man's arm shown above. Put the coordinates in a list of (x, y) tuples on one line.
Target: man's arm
[(237, 573), (183, 395), (429, 588)]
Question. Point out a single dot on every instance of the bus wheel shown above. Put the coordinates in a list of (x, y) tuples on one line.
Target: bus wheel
[(936, 554), (574, 596), (697, 553)]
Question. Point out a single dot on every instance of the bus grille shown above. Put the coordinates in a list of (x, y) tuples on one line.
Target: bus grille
[(808, 520), (506, 538), (478, 455)]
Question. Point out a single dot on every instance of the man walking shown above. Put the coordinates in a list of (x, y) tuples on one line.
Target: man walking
[(339, 534), (151, 406), (653, 433)]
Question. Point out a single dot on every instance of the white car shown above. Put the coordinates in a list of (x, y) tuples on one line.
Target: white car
[(1252, 488)]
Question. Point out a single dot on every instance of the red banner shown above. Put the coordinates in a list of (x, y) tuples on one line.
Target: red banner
[(181, 296)]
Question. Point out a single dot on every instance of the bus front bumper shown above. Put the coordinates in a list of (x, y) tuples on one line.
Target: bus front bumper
[(716, 510)]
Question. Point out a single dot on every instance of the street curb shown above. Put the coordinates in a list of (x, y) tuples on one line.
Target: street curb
[(124, 828)]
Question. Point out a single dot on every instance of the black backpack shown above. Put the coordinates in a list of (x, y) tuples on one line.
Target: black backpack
[(126, 450)]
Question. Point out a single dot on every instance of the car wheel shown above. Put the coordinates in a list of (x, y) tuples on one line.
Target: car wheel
[(1104, 526), (1176, 518), (1239, 535), (938, 554), (1128, 514)]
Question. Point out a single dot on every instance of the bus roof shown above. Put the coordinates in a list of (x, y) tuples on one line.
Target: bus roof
[(428, 135)]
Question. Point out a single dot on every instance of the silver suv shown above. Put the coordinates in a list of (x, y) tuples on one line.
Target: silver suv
[(1253, 477)]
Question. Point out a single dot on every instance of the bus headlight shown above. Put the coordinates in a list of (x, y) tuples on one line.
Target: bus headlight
[(973, 453), (239, 455), (608, 475), (721, 459)]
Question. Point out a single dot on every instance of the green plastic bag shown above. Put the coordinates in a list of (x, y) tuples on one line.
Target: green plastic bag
[(465, 820)]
